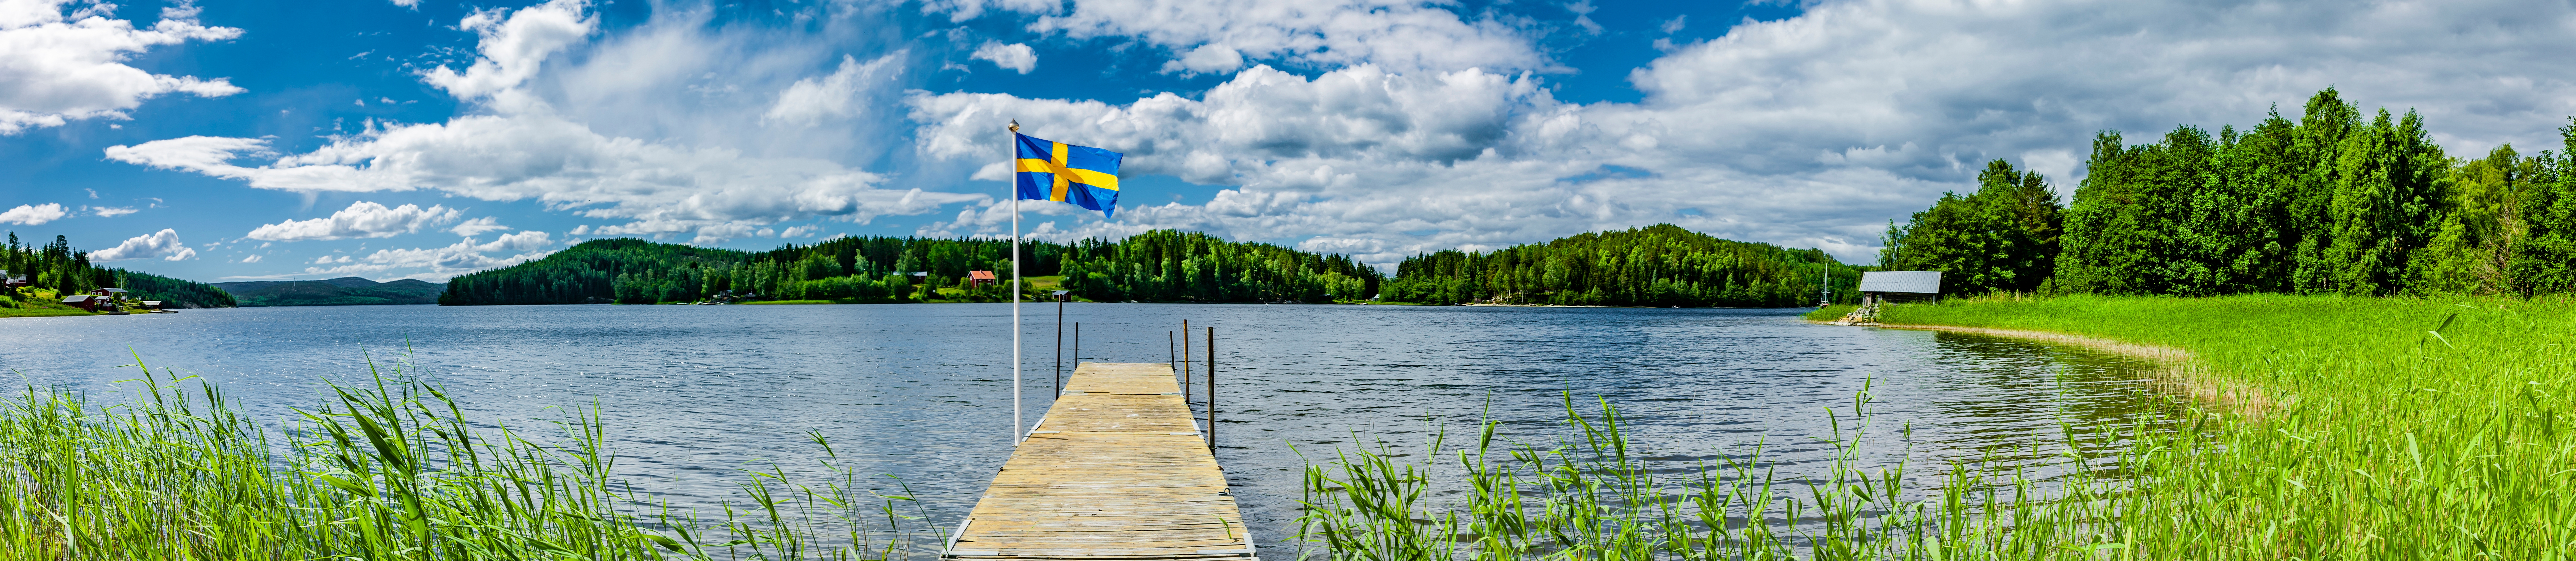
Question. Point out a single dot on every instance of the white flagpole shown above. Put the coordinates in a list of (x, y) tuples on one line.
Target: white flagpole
[(1012, 187)]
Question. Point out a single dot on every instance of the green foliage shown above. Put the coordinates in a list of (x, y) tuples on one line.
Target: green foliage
[(1595, 497), (391, 470), (64, 270), (2332, 203), (2397, 428), (2003, 237), (173, 293), (1661, 265), (1175, 266), (343, 291), (2543, 256), (600, 271), (1157, 266)]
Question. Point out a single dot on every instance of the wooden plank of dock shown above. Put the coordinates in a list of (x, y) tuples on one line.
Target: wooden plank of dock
[(1117, 469)]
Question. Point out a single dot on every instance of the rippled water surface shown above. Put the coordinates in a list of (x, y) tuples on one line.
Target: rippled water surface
[(694, 394)]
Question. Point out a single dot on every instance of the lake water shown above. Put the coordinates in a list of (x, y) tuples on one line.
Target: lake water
[(695, 394)]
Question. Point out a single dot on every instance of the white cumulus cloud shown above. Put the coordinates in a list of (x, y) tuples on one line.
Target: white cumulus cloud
[(66, 60), (1406, 35), (32, 215), (1810, 131), (111, 211), (163, 244), (838, 95), (1014, 56), (1206, 59), (664, 177), (363, 219), (210, 155), (478, 226), (437, 264), (514, 45)]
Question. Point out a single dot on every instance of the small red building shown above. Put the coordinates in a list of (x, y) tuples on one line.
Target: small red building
[(98, 300), (980, 278)]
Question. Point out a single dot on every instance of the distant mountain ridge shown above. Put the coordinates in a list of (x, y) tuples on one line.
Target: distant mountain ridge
[(343, 291)]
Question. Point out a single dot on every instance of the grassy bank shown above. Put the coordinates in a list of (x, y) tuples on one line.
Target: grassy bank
[(37, 302), (389, 470), (2394, 429), (31, 312), (2404, 427)]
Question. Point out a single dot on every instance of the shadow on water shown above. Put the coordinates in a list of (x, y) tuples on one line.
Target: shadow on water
[(695, 395)]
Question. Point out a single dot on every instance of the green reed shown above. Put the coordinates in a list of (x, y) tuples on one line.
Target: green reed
[(389, 469), (1591, 497), (2392, 428)]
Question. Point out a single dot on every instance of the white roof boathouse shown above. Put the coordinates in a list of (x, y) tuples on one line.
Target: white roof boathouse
[(1900, 286)]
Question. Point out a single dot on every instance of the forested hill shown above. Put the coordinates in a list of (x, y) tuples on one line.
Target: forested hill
[(56, 269), (1660, 265), (1158, 266), (2338, 201), (343, 291)]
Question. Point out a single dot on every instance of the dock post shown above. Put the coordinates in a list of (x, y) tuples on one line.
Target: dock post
[(1077, 358), (1059, 346), (1211, 366), (1186, 370)]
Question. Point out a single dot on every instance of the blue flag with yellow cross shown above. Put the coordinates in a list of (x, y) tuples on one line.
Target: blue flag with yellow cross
[(1055, 171)]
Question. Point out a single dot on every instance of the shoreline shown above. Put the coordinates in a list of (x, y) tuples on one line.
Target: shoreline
[(2177, 369)]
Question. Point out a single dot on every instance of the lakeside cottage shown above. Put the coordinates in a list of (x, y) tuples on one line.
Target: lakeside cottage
[(98, 300), (981, 278), (1899, 287)]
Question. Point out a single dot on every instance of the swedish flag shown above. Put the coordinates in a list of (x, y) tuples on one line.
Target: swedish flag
[(1055, 171)]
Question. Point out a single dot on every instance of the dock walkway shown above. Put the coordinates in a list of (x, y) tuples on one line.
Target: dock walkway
[(1117, 469)]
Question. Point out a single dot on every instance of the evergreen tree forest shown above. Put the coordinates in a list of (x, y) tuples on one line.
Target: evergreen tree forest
[(2337, 201), (1661, 265), (1158, 266), (1175, 266), (65, 271)]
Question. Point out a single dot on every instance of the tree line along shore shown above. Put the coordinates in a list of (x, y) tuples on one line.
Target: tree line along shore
[(2334, 202), (1661, 265), (55, 270)]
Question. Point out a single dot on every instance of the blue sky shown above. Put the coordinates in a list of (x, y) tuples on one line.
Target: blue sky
[(226, 140)]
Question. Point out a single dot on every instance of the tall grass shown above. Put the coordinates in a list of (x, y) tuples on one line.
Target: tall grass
[(1590, 498), (389, 469), (2403, 429)]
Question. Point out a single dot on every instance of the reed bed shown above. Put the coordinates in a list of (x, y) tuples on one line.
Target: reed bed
[(391, 469), (2396, 428)]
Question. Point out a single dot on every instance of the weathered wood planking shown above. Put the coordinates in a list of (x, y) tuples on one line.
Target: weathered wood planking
[(1116, 470)]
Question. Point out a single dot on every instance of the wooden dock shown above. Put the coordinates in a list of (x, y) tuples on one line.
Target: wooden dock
[(1117, 469)]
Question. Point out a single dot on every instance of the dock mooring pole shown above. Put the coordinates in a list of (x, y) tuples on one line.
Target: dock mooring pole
[(1059, 344), (1186, 368), (1211, 366), (1077, 354)]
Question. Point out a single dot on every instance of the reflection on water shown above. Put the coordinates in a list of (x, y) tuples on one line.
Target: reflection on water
[(693, 394)]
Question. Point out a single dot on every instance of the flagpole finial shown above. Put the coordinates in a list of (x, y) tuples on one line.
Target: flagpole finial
[(1015, 125)]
